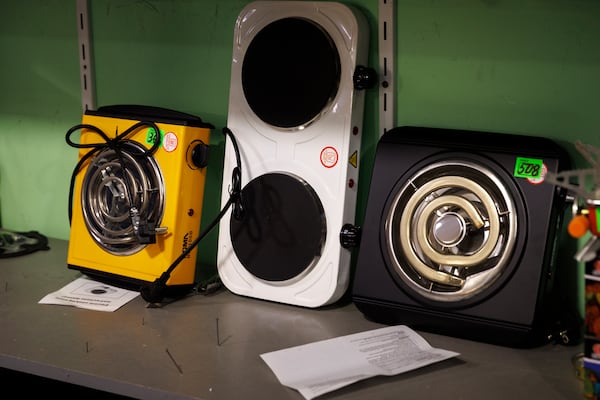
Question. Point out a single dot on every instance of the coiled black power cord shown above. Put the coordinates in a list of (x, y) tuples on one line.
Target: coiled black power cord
[(154, 292), (114, 144)]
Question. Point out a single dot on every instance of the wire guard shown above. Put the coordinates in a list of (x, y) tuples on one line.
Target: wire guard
[(122, 191), (451, 230)]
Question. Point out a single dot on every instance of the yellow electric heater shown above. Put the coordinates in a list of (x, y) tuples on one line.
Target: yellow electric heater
[(136, 196)]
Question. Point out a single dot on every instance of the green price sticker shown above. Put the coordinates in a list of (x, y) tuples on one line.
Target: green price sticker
[(530, 168), (151, 136)]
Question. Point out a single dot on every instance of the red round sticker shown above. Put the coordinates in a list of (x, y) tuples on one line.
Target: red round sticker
[(170, 142), (541, 178), (329, 157)]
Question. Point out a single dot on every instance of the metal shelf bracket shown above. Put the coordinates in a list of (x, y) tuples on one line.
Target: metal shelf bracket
[(86, 60), (387, 32)]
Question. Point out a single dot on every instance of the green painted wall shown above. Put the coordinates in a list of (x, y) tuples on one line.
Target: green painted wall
[(514, 66)]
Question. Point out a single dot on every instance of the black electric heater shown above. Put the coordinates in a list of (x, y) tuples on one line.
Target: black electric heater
[(461, 233)]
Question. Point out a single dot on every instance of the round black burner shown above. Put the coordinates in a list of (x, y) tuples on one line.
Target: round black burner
[(283, 229), (290, 72)]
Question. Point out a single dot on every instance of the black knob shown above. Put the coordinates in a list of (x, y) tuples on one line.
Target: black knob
[(199, 155), (364, 77), (350, 236)]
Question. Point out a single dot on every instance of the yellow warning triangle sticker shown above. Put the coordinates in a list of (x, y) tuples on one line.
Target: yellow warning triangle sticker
[(354, 159)]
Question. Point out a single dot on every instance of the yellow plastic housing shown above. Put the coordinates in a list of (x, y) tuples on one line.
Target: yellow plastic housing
[(184, 191)]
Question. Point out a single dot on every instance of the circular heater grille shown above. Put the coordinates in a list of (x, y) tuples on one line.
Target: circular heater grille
[(122, 198), (451, 230)]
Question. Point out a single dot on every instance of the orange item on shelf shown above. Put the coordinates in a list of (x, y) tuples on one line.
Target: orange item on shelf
[(578, 226)]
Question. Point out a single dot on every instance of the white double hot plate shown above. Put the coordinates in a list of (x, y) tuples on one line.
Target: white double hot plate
[(295, 107)]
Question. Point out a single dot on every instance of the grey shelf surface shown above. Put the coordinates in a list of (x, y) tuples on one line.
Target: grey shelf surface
[(175, 352)]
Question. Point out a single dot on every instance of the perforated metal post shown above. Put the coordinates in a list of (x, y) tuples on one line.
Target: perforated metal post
[(387, 33), (86, 60)]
